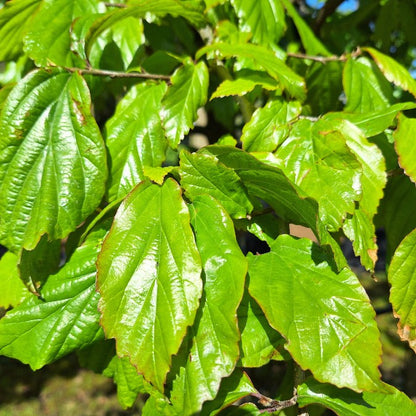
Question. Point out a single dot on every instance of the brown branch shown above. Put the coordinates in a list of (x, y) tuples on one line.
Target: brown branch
[(327, 10), (117, 74), (118, 5), (274, 405), (325, 59)]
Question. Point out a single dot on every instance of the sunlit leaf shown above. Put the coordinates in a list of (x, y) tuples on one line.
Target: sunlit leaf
[(405, 145)]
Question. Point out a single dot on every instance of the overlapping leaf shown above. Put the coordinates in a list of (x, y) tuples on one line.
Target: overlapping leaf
[(203, 174), (402, 277), (316, 157), (266, 59), (269, 127), (53, 45), (325, 316), (264, 19), (345, 402), (214, 336), (135, 137), (365, 87), (179, 106), (15, 20), (65, 317), (405, 145), (52, 159), (149, 278)]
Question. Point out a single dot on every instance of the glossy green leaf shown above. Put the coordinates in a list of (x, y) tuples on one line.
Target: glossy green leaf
[(214, 336), (15, 20), (53, 45), (402, 277), (135, 137), (189, 9), (365, 87), (373, 122), (52, 159), (156, 406), (324, 84), (233, 388), (393, 70), (325, 316), (269, 125), (179, 106), (149, 278), (310, 42), (12, 289), (263, 19), (129, 382), (64, 318), (345, 402), (266, 59), (260, 343), (316, 157), (202, 174), (405, 145), (269, 184)]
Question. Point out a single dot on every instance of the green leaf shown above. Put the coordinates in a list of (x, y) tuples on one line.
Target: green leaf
[(260, 343), (215, 351), (135, 137), (53, 45), (405, 145), (15, 20), (365, 87), (402, 277), (149, 278), (316, 157), (188, 9), (202, 174), (12, 289), (269, 184), (310, 42), (311, 305), (233, 388), (269, 125), (373, 122), (345, 402), (42, 329), (266, 59), (264, 19), (52, 159), (393, 70), (129, 382), (179, 106)]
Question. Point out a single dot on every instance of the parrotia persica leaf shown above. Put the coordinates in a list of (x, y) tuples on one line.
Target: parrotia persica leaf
[(53, 45), (264, 19), (203, 174), (52, 159), (135, 137), (65, 318), (15, 19), (345, 402), (12, 289), (365, 87), (187, 93), (402, 277), (405, 145), (214, 335), (149, 278), (269, 126), (316, 157), (393, 70), (266, 59), (325, 316)]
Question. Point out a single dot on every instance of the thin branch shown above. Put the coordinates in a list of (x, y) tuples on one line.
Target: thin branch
[(327, 10), (325, 59), (116, 74), (118, 5), (274, 405)]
